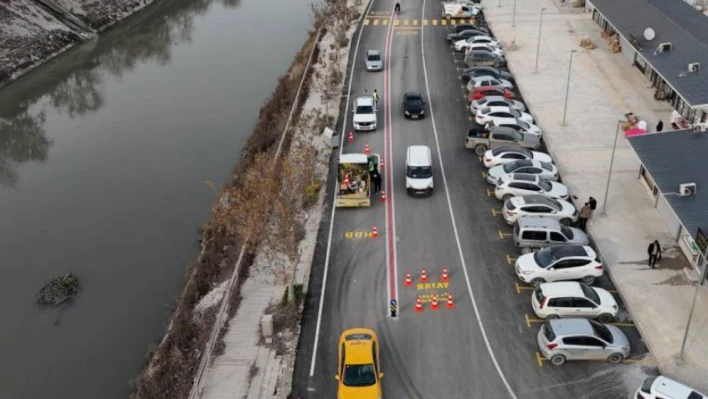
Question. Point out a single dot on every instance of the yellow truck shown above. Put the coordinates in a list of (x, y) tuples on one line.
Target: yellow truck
[(354, 180)]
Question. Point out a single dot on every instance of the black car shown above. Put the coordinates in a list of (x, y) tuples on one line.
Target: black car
[(413, 105), (459, 28), (484, 70)]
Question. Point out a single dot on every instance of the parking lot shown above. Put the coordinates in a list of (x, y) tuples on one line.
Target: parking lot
[(508, 253)]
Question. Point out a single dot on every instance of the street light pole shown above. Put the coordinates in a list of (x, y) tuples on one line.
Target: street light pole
[(513, 16), (612, 163), (538, 46), (499, 3), (680, 359), (567, 85)]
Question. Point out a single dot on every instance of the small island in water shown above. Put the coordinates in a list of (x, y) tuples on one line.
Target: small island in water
[(58, 290)]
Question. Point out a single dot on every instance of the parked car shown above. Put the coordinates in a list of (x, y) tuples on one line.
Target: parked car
[(374, 61), (479, 58), (559, 264), (463, 27), (463, 34), (661, 387), (539, 205), (518, 184), (488, 114), (509, 153), (573, 299), (469, 44), (517, 124), (364, 113), (456, 10), (534, 232), (413, 105), (488, 71), (581, 339), (482, 81), (490, 91), (493, 100), (544, 169), (482, 139), (485, 39)]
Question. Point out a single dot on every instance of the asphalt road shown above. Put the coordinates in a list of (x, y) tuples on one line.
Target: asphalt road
[(485, 346)]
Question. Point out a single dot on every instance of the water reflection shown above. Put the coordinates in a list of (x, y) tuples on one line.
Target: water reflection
[(78, 92)]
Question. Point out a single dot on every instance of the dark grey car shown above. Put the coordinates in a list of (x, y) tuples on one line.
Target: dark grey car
[(475, 58), (484, 70), (465, 34)]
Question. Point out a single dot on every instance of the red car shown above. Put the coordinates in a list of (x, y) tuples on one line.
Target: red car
[(484, 91)]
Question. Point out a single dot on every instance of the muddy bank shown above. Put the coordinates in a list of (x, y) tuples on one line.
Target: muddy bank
[(35, 31)]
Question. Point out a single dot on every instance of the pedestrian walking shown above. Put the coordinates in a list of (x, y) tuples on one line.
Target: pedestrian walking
[(584, 215), (654, 252), (375, 94), (592, 203), (377, 182), (660, 126)]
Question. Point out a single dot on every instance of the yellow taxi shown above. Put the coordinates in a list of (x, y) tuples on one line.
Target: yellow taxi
[(359, 366)]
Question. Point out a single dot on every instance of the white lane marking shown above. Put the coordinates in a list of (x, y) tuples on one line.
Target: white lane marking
[(331, 219), (452, 217)]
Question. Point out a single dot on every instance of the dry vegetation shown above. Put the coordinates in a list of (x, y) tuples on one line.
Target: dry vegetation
[(261, 207)]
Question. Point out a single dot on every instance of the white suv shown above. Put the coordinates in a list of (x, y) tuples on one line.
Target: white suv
[(559, 264), (517, 184), (573, 299), (364, 113), (661, 387), (538, 205)]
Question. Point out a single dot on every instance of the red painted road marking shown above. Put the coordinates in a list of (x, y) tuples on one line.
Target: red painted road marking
[(390, 227)]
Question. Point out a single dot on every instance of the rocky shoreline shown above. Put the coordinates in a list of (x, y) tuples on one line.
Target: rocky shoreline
[(34, 31)]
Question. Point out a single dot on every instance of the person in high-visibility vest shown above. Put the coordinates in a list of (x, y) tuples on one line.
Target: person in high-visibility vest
[(375, 95)]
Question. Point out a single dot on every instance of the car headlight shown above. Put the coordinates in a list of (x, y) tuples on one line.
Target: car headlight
[(407, 113), (422, 111), (525, 272)]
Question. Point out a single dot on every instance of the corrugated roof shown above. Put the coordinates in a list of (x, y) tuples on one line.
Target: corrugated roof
[(673, 21), (673, 158)]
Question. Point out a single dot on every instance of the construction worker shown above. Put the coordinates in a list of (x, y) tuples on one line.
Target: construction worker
[(375, 95)]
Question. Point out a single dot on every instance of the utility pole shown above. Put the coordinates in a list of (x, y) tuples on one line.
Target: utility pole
[(538, 46), (612, 162), (567, 86)]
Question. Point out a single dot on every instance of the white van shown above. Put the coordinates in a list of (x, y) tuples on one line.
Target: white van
[(419, 170), (457, 10)]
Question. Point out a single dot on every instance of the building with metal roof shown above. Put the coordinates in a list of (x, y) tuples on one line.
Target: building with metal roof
[(667, 40), (675, 169)]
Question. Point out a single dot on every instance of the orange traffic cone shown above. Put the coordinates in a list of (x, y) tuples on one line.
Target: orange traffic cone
[(351, 136), (375, 232), (409, 281), (445, 277), (434, 305), (366, 149), (383, 195), (450, 304), (381, 164), (418, 305), (423, 276)]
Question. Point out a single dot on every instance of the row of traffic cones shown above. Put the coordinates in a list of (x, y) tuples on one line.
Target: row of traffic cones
[(367, 150), (424, 277), (434, 305)]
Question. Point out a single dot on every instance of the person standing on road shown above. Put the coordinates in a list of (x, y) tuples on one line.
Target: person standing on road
[(585, 213), (375, 95), (376, 177), (660, 126), (654, 252)]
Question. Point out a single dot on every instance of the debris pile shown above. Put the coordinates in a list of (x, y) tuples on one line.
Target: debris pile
[(587, 44), (58, 290)]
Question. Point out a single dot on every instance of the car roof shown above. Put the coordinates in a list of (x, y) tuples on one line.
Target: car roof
[(419, 155), (562, 289), (538, 221), (501, 108), (502, 129), (365, 100), (569, 251), (373, 52), (353, 158), (358, 345), (571, 327), (674, 389)]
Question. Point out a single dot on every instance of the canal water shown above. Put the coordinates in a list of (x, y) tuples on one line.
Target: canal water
[(104, 155)]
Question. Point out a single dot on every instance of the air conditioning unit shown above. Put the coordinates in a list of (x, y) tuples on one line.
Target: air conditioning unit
[(687, 189), (663, 47), (694, 67)]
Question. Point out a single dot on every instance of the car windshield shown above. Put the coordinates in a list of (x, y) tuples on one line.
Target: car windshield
[(545, 184), (484, 110), (567, 232), (547, 166), (544, 257), (364, 109), (522, 124), (515, 112), (517, 135), (550, 202), (503, 149), (419, 172), (359, 375), (482, 101), (646, 385), (548, 332), (590, 293), (374, 57), (601, 331)]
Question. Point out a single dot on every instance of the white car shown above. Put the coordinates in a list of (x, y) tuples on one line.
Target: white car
[(483, 39), (559, 264), (517, 124), (660, 387), (364, 113), (488, 114), (508, 153), (546, 170), (573, 299), (483, 81), (468, 45), (518, 184), (496, 101), (539, 205), (469, 3)]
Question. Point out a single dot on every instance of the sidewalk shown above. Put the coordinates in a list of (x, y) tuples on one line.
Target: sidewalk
[(603, 87)]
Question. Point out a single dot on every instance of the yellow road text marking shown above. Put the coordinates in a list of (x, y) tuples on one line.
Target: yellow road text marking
[(358, 234), (397, 22), (415, 22), (367, 21), (431, 286), (385, 21)]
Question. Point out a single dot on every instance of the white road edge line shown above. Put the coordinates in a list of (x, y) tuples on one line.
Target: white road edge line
[(452, 216), (331, 220)]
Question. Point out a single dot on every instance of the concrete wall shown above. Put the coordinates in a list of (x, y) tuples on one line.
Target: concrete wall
[(668, 215), (627, 50)]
